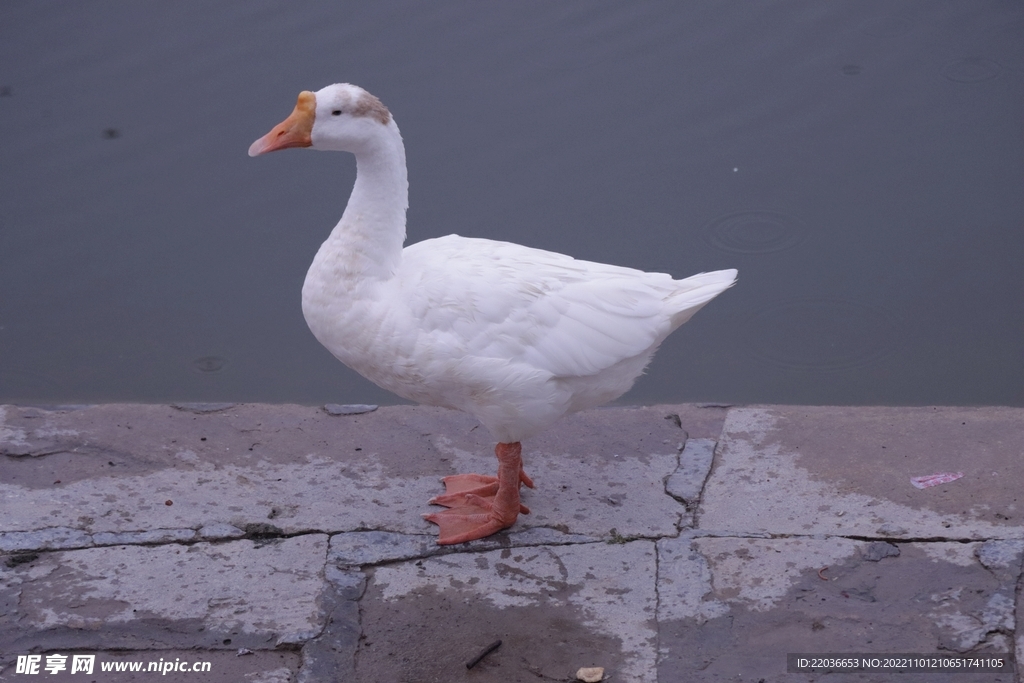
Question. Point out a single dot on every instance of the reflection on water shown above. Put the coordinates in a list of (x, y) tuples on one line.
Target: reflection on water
[(860, 163), (209, 363)]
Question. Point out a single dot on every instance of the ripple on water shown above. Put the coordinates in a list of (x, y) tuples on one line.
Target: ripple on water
[(971, 70), (754, 232), (821, 334), (209, 363)]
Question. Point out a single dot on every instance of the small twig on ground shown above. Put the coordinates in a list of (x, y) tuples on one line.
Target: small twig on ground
[(487, 650)]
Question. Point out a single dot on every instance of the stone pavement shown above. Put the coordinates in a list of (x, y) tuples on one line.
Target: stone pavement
[(669, 543)]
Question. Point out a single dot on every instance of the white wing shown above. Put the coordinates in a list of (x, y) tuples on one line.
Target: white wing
[(478, 298)]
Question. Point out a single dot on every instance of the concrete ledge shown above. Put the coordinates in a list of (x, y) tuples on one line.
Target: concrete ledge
[(284, 543)]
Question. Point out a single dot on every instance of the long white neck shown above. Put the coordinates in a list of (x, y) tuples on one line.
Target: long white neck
[(367, 241)]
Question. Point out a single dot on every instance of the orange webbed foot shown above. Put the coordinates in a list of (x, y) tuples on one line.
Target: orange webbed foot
[(480, 505), (458, 486), (467, 523)]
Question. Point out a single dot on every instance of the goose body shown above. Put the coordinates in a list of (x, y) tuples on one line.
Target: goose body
[(517, 337)]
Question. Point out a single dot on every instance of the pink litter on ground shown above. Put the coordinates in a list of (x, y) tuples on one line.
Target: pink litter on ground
[(935, 479)]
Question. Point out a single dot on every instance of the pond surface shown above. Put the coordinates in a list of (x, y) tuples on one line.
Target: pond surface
[(860, 163)]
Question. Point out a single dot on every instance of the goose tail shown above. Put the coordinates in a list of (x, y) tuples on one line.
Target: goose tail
[(695, 291)]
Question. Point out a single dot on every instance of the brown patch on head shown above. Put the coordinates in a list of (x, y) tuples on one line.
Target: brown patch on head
[(368, 105)]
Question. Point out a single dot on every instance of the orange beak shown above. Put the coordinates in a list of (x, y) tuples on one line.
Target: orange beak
[(294, 131)]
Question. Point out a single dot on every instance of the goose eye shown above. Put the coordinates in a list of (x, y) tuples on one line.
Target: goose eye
[(336, 112)]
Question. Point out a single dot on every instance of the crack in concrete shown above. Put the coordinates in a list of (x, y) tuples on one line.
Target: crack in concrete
[(17, 555), (871, 539), (657, 604), (259, 534)]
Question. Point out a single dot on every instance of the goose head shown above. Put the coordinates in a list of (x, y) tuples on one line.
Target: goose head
[(341, 117)]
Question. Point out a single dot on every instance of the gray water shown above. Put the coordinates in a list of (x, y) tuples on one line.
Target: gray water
[(860, 162)]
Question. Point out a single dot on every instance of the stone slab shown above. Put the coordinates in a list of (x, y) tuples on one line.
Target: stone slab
[(212, 595), (732, 608), (555, 609), (110, 474), (846, 472)]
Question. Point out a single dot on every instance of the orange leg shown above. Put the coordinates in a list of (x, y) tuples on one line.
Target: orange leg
[(479, 505)]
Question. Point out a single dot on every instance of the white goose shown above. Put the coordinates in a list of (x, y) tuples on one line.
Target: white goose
[(517, 337)]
